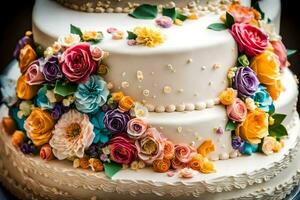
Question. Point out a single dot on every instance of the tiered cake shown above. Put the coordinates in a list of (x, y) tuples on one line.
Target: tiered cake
[(198, 91)]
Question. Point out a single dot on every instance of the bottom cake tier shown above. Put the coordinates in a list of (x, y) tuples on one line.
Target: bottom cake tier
[(257, 176)]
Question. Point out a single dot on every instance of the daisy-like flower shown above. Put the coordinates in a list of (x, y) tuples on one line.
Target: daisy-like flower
[(72, 134)]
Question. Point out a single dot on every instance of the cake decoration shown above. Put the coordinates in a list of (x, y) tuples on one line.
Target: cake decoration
[(66, 110)]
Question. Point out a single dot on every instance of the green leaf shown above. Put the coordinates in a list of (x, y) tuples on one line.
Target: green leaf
[(111, 169), (243, 60), (75, 30), (145, 11), (278, 119), (39, 50), (131, 35), (169, 12), (181, 16), (230, 126), (229, 20), (269, 21), (290, 52), (257, 7), (278, 131), (217, 27), (64, 88)]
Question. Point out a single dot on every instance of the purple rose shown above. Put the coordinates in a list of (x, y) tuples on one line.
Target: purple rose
[(237, 143), (57, 111), (51, 69), (21, 43), (245, 82), (116, 121)]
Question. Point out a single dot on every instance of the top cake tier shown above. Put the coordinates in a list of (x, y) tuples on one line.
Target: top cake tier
[(119, 6), (186, 72)]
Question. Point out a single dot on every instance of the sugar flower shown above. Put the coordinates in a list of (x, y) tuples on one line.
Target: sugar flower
[(162, 165), (91, 95), (150, 146), (27, 55), (24, 90), (34, 75), (148, 37), (237, 111), (51, 69), (164, 21), (102, 135), (263, 100), (72, 134), (69, 40), (245, 82), (186, 173), (42, 100), (136, 128), (116, 120)]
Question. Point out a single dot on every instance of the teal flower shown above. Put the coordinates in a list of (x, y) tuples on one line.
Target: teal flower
[(13, 112), (91, 95), (102, 135), (263, 99), (249, 148), (42, 100)]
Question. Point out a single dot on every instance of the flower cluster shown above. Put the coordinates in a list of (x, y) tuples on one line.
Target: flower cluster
[(65, 110), (254, 84)]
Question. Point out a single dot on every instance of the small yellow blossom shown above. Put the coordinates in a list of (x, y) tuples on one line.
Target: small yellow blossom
[(91, 35), (148, 37)]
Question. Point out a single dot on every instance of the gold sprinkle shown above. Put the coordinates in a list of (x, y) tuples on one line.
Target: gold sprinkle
[(125, 84), (167, 89), (216, 66), (140, 76)]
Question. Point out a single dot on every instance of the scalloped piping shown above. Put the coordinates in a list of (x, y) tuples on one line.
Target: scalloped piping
[(221, 184)]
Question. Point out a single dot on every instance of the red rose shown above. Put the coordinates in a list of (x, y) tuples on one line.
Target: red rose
[(250, 39), (122, 150), (280, 51), (78, 63)]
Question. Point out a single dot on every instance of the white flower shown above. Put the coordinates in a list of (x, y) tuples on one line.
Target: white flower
[(250, 104), (68, 101), (25, 109), (72, 134), (269, 28), (139, 111), (68, 40)]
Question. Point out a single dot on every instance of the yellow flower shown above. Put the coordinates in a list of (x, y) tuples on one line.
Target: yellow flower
[(271, 145), (267, 68), (255, 127), (206, 147), (25, 91), (126, 103), (117, 96), (227, 96), (27, 55), (39, 126), (201, 164), (148, 37), (91, 35)]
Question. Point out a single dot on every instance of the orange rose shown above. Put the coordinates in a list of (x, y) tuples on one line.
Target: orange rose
[(25, 91), (255, 127), (27, 55), (206, 147), (169, 150), (8, 125), (201, 164), (228, 96), (96, 165), (39, 126), (84, 163), (243, 14), (117, 96), (17, 138), (162, 165), (126, 103), (267, 68)]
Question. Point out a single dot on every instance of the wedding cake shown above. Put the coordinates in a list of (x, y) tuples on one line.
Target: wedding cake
[(150, 99)]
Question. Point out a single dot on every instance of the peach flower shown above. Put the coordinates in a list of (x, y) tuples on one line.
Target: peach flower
[(17, 138), (46, 152), (202, 164), (136, 127), (184, 153), (237, 111), (169, 150), (126, 103), (186, 173), (243, 14), (162, 165), (227, 96), (280, 51)]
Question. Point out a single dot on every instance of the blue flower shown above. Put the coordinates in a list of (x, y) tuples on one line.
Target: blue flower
[(249, 148), (13, 112), (102, 135), (263, 99), (91, 95), (42, 100)]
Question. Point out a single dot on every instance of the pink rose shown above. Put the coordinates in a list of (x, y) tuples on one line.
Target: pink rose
[(280, 51), (97, 53), (176, 164), (250, 39), (237, 111), (34, 74), (164, 21), (150, 146), (136, 128), (46, 152), (78, 63), (187, 173), (184, 153), (122, 150)]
